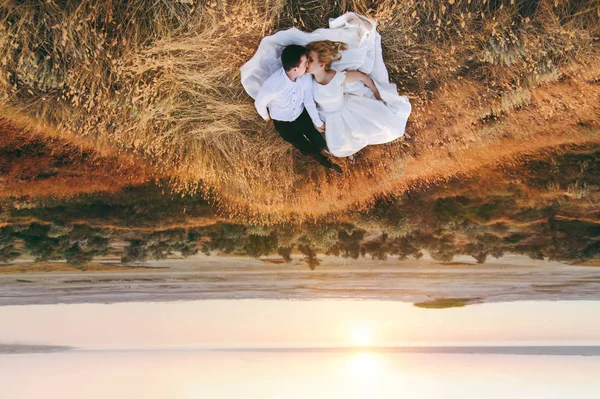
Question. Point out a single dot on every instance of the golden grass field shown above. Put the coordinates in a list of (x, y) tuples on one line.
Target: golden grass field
[(46, 267), (31, 165), (157, 83)]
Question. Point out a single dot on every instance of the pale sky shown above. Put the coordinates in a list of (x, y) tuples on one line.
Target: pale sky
[(264, 323), (189, 374)]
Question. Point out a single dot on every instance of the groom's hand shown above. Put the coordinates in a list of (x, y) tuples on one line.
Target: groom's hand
[(267, 119), (321, 129)]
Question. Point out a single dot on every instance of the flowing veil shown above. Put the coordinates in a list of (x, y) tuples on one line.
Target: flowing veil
[(363, 54)]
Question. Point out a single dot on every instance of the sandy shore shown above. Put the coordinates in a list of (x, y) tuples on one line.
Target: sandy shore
[(511, 278)]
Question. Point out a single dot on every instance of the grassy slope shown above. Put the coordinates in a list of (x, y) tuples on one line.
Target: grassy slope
[(545, 207), (32, 165), (489, 81)]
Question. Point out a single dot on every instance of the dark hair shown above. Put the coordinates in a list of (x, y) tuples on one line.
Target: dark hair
[(290, 57)]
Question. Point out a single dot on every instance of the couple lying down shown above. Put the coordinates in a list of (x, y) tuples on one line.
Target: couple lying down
[(332, 82)]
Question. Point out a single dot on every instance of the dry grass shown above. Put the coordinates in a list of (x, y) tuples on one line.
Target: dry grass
[(49, 267), (589, 263), (159, 82), (31, 166)]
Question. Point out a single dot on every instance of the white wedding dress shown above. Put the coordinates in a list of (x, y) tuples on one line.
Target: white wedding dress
[(353, 116), (354, 122)]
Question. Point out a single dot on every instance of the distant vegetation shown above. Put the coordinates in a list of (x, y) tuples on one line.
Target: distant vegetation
[(446, 303), (157, 83), (545, 209)]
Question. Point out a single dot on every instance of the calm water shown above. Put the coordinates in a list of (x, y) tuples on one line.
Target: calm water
[(197, 374), (167, 350)]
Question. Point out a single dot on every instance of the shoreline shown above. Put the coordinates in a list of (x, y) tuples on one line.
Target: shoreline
[(424, 282)]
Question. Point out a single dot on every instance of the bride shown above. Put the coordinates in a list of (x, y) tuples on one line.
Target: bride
[(348, 100), (351, 121)]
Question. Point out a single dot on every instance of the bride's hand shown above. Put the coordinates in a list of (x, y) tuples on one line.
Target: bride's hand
[(321, 129)]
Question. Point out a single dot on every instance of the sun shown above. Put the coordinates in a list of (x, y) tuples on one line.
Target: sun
[(361, 335)]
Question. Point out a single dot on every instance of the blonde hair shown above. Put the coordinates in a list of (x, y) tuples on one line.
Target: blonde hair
[(328, 51)]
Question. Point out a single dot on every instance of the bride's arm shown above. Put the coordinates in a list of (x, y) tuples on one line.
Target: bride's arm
[(353, 76)]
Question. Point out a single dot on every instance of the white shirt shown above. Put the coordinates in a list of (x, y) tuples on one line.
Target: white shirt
[(286, 99)]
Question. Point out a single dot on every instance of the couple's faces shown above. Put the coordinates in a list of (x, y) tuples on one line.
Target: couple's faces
[(313, 62), (308, 64), (302, 66)]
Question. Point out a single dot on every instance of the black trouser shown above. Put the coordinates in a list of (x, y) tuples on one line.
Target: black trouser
[(303, 135)]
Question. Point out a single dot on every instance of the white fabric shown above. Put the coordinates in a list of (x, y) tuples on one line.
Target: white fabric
[(363, 54), (353, 122), (286, 99)]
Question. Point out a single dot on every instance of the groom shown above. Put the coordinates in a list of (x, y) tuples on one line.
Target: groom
[(287, 98)]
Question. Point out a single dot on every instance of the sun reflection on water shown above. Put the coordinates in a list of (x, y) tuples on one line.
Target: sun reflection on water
[(365, 365)]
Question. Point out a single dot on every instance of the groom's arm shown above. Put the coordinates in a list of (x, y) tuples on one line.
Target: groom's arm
[(309, 103), (265, 95)]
